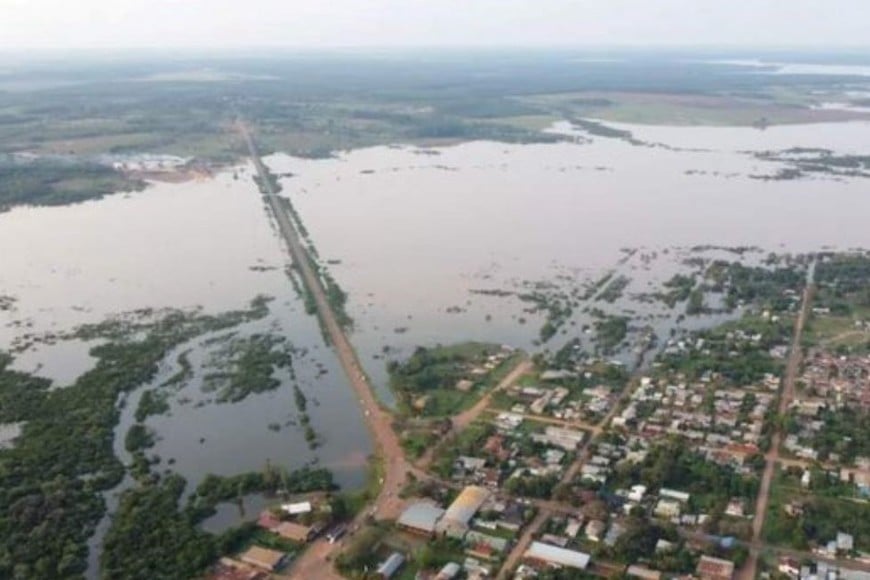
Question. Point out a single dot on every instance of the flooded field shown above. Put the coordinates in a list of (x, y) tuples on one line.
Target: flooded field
[(534, 246), (205, 245), (413, 234)]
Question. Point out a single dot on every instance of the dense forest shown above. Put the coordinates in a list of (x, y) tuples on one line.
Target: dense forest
[(52, 477), (47, 182)]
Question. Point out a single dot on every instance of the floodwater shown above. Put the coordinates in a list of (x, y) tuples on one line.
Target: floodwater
[(413, 232), (412, 235), (206, 244)]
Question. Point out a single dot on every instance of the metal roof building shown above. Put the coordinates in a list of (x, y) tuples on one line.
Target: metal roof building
[(455, 520), (557, 556), (421, 517), (449, 571), (303, 507), (391, 565), (466, 505)]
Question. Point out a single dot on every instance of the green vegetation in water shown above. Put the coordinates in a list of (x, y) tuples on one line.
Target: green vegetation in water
[(152, 537), (152, 402), (772, 288), (738, 352), (558, 309), (610, 331), (49, 182), (679, 288), (304, 419), (842, 283), (63, 460), (337, 299), (245, 366), (802, 161), (294, 215), (271, 185), (138, 438), (428, 383), (601, 130), (595, 287), (155, 401), (695, 304), (185, 371), (216, 489), (614, 290)]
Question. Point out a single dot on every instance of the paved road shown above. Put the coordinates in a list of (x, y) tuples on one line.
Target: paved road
[(315, 562), (750, 569)]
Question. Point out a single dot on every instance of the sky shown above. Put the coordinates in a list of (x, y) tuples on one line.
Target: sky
[(317, 24)]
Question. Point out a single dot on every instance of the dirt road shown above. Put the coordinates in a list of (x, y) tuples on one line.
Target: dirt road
[(469, 416), (522, 545), (315, 562), (750, 568)]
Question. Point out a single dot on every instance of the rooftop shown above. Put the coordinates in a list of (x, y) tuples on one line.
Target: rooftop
[(561, 556), (421, 516)]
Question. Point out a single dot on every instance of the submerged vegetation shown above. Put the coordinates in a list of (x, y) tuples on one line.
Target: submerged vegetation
[(152, 536), (610, 331), (802, 161), (63, 459), (246, 365)]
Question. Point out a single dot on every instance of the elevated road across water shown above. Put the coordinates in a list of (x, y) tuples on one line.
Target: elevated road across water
[(315, 562)]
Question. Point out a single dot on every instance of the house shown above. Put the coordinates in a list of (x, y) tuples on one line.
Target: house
[(680, 496), (667, 509), (553, 556), (294, 532), (512, 518), (710, 568), (471, 463), (790, 567), (613, 534), (229, 569), (555, 540), (390, 566), (464, 385), (595, 530), (268, 520), (735, 508), (420, 518), (476, 538), (450, 571), (263, 558), (845, 542), (637, 492), (643, 573), (295, 509), (573, 527)]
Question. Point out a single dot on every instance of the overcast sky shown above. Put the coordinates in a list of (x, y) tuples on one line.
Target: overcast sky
[(389, 23)]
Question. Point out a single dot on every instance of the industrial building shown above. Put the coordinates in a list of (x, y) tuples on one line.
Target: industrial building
[(545, 554), (456, 519), (420, 518)]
